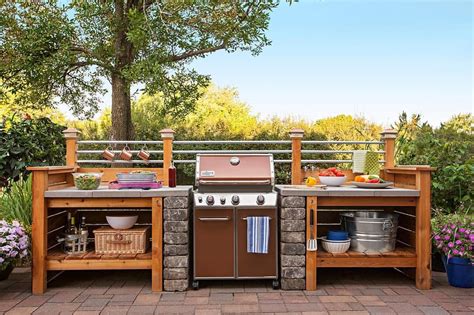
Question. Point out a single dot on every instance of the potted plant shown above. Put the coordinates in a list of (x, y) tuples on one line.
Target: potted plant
[(453, 235), (13, 246)]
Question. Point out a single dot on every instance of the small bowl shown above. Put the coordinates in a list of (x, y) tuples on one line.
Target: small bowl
[(336, 247), (122, 222), (332, 180), (87, 181), (337, 235)]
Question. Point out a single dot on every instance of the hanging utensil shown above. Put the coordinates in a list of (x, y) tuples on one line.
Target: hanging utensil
[(312, 242)]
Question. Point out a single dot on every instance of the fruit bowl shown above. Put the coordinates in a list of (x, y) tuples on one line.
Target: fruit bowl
[(122, 222), (332, 180)]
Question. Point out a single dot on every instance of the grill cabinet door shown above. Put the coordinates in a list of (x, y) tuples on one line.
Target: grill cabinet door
[(256, 265), (213, 243)]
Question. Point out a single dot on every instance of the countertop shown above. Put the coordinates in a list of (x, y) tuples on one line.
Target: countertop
[(105, 192), (345, 191)]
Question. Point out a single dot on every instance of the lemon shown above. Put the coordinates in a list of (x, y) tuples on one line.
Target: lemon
[(310, 181)]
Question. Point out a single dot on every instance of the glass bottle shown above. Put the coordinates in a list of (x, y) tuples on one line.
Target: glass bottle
[(72, 229), (83, 227), (172, 175)]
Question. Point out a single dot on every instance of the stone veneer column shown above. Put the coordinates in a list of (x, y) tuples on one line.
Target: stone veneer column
[(292, 243), (176, 246)]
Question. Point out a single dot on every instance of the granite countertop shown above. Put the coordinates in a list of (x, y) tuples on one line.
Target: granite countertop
[(345, 191), (105, 192)]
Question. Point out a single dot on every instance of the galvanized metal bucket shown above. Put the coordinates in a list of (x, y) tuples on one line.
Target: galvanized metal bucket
[(371, 231)]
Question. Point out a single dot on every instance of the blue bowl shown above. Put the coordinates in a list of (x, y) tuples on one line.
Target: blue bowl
[(337, 235)]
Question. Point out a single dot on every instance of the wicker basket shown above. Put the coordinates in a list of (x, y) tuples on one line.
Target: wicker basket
[(112, 241)]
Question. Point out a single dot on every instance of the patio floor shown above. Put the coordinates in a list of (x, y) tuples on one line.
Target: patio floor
[(375, 291)]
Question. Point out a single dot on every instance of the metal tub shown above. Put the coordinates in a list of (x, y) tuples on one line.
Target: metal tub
[(371, 231)]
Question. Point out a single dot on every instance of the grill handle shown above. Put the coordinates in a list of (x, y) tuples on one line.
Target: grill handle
[(234, 182), (215, 219)]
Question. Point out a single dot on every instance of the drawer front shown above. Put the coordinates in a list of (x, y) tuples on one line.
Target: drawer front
[(256, 265), (214, 243)]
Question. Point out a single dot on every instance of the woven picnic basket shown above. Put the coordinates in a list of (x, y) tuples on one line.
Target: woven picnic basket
[(112, 241)]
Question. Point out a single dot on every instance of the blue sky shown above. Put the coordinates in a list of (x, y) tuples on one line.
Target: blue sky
[(370, 58)]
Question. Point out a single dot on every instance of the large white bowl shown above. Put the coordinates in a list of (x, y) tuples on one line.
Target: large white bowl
[(332, 180), (122, 222), (335, 247)]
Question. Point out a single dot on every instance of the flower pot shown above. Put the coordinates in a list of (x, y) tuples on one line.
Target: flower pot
[(460, 272), (6, 272)]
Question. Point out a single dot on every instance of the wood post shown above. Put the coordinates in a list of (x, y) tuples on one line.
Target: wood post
[(311, 256), (423, 230), (296, 135), (389, 136), (167, 135), (157, 244), (71, 135), (39, 232)]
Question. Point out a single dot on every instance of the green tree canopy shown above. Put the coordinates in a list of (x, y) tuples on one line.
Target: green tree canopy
[(62, 53)]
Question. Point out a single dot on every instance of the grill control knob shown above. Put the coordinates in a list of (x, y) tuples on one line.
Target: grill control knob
[(260, 200), (235, 200), (210, 200), (222, 200), (199, 199)]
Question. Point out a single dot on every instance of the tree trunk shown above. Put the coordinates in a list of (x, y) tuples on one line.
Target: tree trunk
[(122, 128)]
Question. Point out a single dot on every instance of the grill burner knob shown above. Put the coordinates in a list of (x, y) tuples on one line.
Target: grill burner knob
[(235, 200), (210, 200), (199, 199), (260, 200), (222, 200)]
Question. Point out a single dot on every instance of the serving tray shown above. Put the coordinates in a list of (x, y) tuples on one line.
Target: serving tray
[(372, 185), (135, 185)]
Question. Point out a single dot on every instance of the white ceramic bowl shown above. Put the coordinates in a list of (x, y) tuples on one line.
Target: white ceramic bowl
[(335, 247), (122, 222), (332, 180)]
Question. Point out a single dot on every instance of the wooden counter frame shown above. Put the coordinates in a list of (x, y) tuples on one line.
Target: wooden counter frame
[(40, 263)]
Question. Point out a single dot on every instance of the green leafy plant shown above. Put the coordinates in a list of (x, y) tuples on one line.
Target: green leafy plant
[(16, 203), (27, 142)]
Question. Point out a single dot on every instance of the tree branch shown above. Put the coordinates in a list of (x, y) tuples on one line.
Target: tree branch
[(194, 53)]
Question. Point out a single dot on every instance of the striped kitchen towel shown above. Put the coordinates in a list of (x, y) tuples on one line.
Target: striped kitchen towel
[(358, 161), (258, 231)]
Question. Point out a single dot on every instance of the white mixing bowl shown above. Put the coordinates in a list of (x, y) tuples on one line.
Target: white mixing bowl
[(122, 222)]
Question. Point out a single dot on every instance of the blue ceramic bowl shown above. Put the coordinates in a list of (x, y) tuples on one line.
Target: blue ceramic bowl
[(337, 235)]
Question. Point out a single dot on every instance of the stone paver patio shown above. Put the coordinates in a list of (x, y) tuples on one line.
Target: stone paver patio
[(378, 291)]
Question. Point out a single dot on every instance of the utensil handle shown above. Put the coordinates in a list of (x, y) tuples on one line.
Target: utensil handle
[(311, 218), (215, 219)]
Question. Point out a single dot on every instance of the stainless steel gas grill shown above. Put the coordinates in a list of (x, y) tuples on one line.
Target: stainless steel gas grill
[(230, 189)]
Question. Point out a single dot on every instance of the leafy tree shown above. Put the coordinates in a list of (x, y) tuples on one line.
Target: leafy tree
[(55, 53)]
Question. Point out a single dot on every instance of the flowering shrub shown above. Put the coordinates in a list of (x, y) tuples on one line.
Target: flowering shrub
[(454, 236), (13, 243)]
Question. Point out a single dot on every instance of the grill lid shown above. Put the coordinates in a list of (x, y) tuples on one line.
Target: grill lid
[(234, 169)]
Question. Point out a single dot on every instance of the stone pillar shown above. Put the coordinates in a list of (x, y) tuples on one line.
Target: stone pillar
[(292, 243), (176, 259)]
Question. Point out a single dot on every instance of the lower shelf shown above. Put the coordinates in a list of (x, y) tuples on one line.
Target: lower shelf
[(401, 257), (57, 260)]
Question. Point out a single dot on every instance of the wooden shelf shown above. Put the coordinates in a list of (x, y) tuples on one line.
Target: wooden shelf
[(401, 257), (57, 260)]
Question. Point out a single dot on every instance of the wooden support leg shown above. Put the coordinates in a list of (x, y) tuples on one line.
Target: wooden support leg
[(157, 244), (423, 231), (39, 232), (311, 210)]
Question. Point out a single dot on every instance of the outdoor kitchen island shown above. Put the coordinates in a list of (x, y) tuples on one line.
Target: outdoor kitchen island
[(166, 211), (412, 204)]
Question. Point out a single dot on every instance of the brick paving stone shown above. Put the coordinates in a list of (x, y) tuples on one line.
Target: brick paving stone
[(196, 300), (394, 298), (56, 308), (86, 313), (333, 306), (433, 310), (405, 291), (34, 300), (242, 308), (200, 292), (372, 292), (207, 312), (356, 306), (315, 313), (6, 305), (451, 307), (404, 308), (336, 299), (305, 307), (380, 310), (272, 308), (147, 299), (370, 300), (172, 296), (21, 310), (115, 310), (420, 300), (142, 309), (245, 298), (65, 297), (348, 313), (123, 298), (97, 303), (349, 292), (174, 309), (294, 299), (269, 296)]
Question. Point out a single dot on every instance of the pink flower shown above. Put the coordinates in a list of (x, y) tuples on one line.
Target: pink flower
[(437, 237), (447, 237), (450, 244), (458, 242), (455, 252)]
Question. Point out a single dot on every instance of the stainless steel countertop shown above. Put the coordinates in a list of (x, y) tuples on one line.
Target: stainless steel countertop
[(345, 191), (105, 192)]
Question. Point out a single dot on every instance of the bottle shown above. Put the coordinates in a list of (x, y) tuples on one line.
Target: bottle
[(172, 175), (71, 229), (83, 227)]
